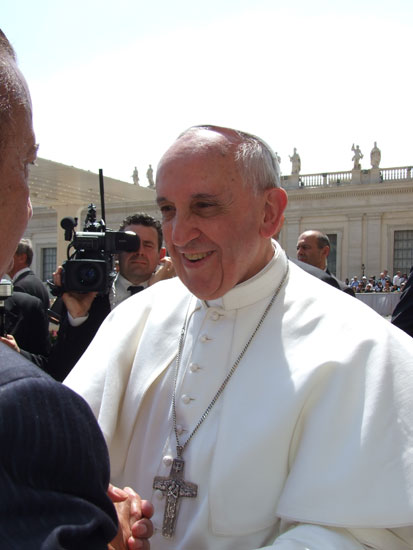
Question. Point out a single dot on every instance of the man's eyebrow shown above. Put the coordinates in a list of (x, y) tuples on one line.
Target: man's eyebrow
[(196, 196), (204, 196)]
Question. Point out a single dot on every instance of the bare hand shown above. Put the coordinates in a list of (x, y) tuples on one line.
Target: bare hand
[(10, 341), (78, 304), (166, 271), (135, 527)]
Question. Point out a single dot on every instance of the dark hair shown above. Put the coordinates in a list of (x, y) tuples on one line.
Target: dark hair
[(25, 247), (143, 219)]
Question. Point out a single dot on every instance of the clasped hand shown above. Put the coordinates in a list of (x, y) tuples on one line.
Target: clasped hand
[(135, 526)]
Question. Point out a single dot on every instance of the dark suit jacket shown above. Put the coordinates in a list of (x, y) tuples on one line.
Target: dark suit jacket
[(54, 466), (324, 276), (403, 312), (31, 284), (27, 321)]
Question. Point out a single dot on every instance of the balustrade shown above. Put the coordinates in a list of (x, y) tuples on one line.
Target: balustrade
[(338, 178)]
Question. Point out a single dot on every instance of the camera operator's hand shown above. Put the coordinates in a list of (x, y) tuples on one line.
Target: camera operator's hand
[(166, 271), (10, 341), (77, 303)]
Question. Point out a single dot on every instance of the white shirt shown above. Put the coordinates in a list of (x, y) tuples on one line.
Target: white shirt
[(117, 294), (119, 290), (313, 431), (17, 275)]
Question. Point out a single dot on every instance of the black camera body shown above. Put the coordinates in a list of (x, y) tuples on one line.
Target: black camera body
[(90, 268)]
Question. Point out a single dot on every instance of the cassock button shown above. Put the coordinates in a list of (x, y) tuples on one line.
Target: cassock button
[(159, 494), (193, 367), (205, 338), (167, 460), (186, 399), (214, 316)]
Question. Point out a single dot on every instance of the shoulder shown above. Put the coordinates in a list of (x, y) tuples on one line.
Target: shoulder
[(66, 478), (165, 294), (24, 300), (319, 273)]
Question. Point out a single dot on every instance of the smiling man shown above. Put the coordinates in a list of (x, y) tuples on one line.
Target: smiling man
[(230, 395)]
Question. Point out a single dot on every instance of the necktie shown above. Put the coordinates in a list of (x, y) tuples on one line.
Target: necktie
[(134, 289)]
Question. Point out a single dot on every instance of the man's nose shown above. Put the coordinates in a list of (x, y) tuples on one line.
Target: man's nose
[(183, 230)]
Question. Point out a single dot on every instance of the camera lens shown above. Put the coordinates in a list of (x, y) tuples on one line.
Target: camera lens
[(88, 275)]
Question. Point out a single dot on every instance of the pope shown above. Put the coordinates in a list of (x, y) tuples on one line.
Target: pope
[(253, 405)]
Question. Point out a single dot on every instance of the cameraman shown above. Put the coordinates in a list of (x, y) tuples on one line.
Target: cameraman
[(83, 313)]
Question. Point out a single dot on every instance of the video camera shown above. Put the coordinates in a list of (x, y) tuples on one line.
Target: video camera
[(90, 268), (6, 290)]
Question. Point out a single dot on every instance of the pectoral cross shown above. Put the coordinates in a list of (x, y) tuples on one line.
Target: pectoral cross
[(174, 487)]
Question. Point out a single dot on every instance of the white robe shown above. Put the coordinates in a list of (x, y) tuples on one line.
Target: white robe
[(308, 447)]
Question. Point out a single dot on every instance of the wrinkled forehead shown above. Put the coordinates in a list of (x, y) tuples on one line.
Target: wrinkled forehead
[(200, 153), (202, 142), (197, 166)]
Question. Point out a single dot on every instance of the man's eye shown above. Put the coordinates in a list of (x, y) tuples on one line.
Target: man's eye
[(167, 211)]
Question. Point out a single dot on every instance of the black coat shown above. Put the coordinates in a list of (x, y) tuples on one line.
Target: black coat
[(54, 466), (403, 312), (27, 321), (73, 341), (31, 284)]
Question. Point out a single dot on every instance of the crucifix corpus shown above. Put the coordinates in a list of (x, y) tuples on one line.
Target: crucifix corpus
[(174, 487)]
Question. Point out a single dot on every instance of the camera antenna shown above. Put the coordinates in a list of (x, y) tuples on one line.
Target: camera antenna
[(102, 194)]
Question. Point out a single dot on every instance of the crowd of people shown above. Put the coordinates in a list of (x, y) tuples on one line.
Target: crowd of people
[(249, 403), (383, 283)]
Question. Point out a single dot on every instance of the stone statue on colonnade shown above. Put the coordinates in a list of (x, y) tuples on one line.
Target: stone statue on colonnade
[(358, 155), (375, 156), (295, 162)]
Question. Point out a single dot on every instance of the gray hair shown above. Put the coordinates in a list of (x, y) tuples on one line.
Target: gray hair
[(257, 162), (25, 247), (13, 92)]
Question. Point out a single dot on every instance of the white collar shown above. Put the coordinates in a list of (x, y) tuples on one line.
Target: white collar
[(122, 282), (16, 275)]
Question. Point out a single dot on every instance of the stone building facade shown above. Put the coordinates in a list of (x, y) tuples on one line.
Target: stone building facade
[(368, 214)]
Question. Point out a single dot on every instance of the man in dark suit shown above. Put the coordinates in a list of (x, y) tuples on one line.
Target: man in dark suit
[(313, 248), (54, 467), (27, 321), (23, 278), (403, 312)]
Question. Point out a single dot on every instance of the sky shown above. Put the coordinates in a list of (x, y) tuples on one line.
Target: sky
[(113, 83)]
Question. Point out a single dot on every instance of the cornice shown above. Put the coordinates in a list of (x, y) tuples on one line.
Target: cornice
[(349, 191)]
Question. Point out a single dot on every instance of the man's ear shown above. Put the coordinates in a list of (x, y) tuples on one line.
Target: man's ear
[(274, 206), (162, 252)]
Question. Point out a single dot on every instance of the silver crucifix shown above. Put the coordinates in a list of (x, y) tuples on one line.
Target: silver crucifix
[(174, 487)]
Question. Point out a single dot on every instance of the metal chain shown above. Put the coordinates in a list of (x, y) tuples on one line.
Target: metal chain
[(180, 448)]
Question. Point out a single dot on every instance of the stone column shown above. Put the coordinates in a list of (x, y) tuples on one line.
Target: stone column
[(355, 248), (290, 235), (373, 244)]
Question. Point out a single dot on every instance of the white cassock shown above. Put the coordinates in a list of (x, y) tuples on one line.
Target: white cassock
[(309, 446)]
